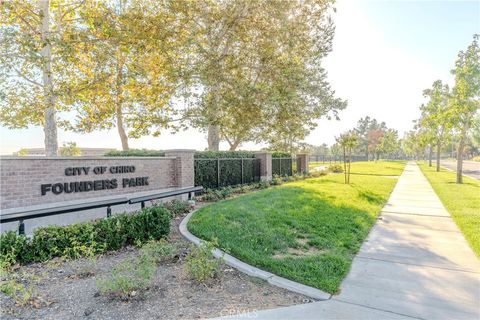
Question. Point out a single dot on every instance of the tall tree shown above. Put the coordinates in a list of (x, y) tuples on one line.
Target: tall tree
[(259, 69), (374, 138), (465, 98), (363, 129), (435, 119), (389, 143), (134, 57), (35, 72), (413, 145)]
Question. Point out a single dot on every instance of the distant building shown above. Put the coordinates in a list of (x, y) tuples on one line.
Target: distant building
[(91, 152)]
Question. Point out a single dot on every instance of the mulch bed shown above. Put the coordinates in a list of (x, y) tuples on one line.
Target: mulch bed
[(63, 292)]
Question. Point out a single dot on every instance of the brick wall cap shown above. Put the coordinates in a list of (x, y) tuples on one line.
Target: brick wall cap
[(83, 158)]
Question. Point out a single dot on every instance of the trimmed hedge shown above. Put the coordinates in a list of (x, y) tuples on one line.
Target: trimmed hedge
[(91, 237), (225, 154), (280, 154), (135, 153)]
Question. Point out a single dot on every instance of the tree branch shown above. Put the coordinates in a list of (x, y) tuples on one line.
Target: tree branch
[(27, 79)]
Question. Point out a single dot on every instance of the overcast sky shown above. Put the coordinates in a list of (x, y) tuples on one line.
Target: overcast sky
[(384, 54)]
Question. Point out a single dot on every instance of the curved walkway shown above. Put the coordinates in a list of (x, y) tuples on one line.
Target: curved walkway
[(415, 264)]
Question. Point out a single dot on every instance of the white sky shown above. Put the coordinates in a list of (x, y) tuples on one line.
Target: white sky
[(378, 77)]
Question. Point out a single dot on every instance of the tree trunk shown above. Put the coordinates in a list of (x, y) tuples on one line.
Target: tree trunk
[(213, 137), (235, 145), (345, 163), (439, 148), (430, 152), (461, 145), (121, 129), (349, 164), (119, 105), (50, 124), (366, 154)]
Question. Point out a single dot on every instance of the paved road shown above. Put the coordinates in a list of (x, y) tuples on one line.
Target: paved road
[(470, 168), (415, 264)]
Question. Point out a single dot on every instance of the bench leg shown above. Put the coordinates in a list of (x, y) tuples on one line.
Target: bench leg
[(109, 212), (21, 228), (142, 204)]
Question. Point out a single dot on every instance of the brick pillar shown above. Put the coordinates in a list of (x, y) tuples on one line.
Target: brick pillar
[(302, 163), (184, 170), (265, 165)]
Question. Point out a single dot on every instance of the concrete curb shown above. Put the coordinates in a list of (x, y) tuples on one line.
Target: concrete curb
[(253, 271)]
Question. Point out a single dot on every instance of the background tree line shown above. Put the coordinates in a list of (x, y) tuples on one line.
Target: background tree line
[(237, 70), (450, 118), (370, 139)]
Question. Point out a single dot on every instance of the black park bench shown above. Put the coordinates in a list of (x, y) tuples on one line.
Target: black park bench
[(24, 213)]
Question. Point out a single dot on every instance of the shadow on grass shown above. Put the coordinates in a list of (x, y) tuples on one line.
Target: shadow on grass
[(257, 226), (463, 184), (370, 196)]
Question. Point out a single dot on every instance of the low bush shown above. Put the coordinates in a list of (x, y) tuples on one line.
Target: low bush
[(262, 184), (158, 250), (335, 168), (317, 174), (83, 239), (477, 158), (276, 180), (177, 207), (128, 277), (18, 286), (135, 153), (200, 264)]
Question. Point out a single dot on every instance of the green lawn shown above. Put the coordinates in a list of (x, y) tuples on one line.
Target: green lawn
[(461, 200), (307, 231), (384, 168)]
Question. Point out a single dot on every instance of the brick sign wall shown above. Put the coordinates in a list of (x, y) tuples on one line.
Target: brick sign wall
[(38, 180)]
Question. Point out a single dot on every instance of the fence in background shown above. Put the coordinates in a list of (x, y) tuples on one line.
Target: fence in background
[(332, 158), (283, 166), (214, 173)]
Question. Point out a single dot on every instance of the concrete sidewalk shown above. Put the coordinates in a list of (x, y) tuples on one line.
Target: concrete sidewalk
[(415, 264)]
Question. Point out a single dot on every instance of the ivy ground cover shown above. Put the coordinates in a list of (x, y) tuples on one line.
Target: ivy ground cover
[(307, 231)]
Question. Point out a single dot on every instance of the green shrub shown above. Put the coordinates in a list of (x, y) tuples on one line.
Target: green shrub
[(336, 168), (135, 153), (12, 247), (128, 277), (17, 286), (158, 250), (476, 159), (200, 264), (226, 192), (316, 174), (177, 207), (276, 180), (262, 184), (85, 239), (210, 195)]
